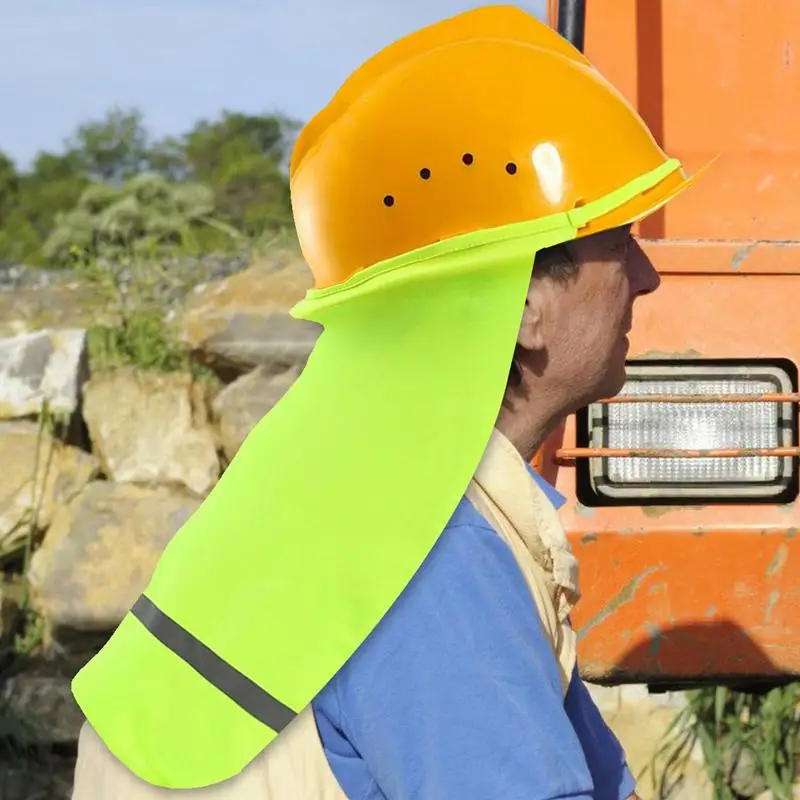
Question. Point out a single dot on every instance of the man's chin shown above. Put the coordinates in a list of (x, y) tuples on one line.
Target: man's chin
[(614, 382)]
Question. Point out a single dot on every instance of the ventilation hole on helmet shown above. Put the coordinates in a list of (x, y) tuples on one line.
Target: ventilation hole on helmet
[(388, 200), (467, 158), (511, 168), (424, 173)]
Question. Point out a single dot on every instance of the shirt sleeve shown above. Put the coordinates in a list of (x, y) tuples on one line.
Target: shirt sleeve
[(604, 755), (456, 693)]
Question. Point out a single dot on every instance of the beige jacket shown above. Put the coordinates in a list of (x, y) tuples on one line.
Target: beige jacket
[(294, 766)]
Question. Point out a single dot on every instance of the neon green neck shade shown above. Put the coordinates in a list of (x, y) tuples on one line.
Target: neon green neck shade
[(329, 508)]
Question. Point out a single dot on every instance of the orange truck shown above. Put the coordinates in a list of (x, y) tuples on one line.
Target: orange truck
[(683, 491)]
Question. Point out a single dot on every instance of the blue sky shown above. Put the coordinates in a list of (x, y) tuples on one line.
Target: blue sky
[(64, 61)]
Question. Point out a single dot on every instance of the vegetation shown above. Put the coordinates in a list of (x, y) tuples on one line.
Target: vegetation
[(145, 215), (222, 181), (133, 287), (750, 742), (119, 206)]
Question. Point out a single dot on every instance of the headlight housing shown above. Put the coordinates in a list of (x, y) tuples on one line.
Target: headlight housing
[(694, 426)]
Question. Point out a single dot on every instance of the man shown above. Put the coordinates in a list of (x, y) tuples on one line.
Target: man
[(456, 694), (398, 626)]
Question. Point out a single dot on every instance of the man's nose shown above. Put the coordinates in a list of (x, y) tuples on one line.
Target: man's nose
[(644, 277)]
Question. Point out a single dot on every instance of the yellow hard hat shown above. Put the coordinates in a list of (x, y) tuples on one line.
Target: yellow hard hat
[(485, 119)]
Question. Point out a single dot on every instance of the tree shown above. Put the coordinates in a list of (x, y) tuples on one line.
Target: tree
[(114, 148), (54, 184), (146, 214), (241, 157), (29, 202), (9, 185)]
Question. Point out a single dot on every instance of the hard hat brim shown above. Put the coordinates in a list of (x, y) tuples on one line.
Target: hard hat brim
[(647, 203)]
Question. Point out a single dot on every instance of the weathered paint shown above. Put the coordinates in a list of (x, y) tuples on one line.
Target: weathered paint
[(680, 593), (624, 596), (706, 587)]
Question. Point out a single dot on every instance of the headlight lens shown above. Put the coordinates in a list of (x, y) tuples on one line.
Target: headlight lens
[(694, 426)]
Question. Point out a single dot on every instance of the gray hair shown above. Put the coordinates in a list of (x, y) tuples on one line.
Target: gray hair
[(556, 263)]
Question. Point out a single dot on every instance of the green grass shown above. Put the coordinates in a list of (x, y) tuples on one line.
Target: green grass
[(749, 741), (142, 339)]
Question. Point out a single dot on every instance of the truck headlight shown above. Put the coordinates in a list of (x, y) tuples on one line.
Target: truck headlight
[(710, 424)]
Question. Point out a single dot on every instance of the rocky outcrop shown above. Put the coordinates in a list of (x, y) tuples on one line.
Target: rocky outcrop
[(239, 406), (151, 428), (243, 322), (100, 552), (100, 470), (40, 475), (58, 306), (42, 368)]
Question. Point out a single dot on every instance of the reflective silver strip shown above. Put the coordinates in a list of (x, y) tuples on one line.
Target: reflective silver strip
[(249, 696)]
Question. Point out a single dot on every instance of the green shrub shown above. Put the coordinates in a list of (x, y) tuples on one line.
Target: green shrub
[(749, 741)]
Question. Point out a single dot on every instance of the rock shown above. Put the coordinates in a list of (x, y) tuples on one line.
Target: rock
[(62, 473), (607, 698), (40, 711), (242, 322), (45, 703), (768, 794), (48, 777), (100, 552), (47, 365), (744, 768), (241, 404), (31, 308), (151, 428)]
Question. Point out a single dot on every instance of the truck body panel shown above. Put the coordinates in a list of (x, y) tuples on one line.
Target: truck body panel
[(689, 591)]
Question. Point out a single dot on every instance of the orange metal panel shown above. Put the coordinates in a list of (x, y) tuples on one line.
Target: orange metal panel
[(675, 593), (713, 77)]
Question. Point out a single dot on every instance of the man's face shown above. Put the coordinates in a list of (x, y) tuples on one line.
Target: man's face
[(575, 329)]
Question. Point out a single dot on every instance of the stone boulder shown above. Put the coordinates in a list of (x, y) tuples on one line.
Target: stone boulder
[(100, 552), (152, 429), (27, 309), (46, 705), (241, 404), (46, 777), (242, 322), (46, 366), (28, 502)]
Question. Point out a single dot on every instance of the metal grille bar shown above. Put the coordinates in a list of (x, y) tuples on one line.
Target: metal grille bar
[(772, 397), (571, 453)]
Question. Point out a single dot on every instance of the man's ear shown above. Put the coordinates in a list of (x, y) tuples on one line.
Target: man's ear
[(531, 332)]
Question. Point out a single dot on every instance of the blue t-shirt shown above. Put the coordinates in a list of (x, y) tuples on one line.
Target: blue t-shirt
[(456, 694)]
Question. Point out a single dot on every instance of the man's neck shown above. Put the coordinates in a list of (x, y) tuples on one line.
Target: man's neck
[(526, 423)]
